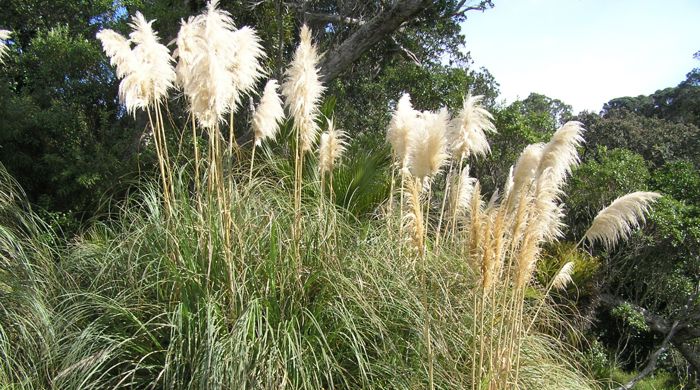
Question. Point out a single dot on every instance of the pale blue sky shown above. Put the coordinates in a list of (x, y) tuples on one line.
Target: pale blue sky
[(585, 52)]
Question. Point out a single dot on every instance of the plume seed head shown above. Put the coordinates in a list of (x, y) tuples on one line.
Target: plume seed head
[(560, 153), (118, 49), (268, 114), (412, 221), (548, 212), (217, 64), (563, 277), (245, 64), (149, 84), (617, 221), (468, 130), (461, 191), (4, 36), (525, 170), (331, 148), (428, 144), (302, 89), (146, 70), (404, 121)]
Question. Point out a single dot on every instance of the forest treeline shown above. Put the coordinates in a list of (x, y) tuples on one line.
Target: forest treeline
[(82, 160)]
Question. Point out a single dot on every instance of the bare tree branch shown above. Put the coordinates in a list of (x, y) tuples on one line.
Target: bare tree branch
[(651, 365), (483, 6), (371, 32), (679, 333), (409, 55)]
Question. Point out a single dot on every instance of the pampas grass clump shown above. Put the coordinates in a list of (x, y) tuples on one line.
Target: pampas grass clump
[(242, 285)]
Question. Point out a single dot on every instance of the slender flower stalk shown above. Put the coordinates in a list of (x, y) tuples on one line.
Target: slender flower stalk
[(559, 282), (426, 155), (147, 74), (404, 121), (302, 89), (466, 135)]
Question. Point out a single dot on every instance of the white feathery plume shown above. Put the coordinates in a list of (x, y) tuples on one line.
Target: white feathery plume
[(217, 64), (525, 169), (4, 36), (190, 45), (118, 49), (560, 152), (212, 81), (468, 130), (548, 211), (404, 120), (246, 63), (617, 221), (493, 201), (510, 182), (201, 73), (462, 188), (427, 152), (412, 220), (146, 70), (333, 144), (149, 83), (302, 89), (563, 277), (268, 114)]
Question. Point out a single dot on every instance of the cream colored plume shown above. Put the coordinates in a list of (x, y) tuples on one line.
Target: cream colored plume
[(246, 63), (332, 146), (217, 64), (427, 151), (154, 75), (525, 170), (468, 130), (461, 190), (412, 221), (549, 214), (617, 221), (118, 49), (404, 120), (146, 70), (563, 277), (560, 152), (268, 114), (4, 36), (302, 89), (510, 182)]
